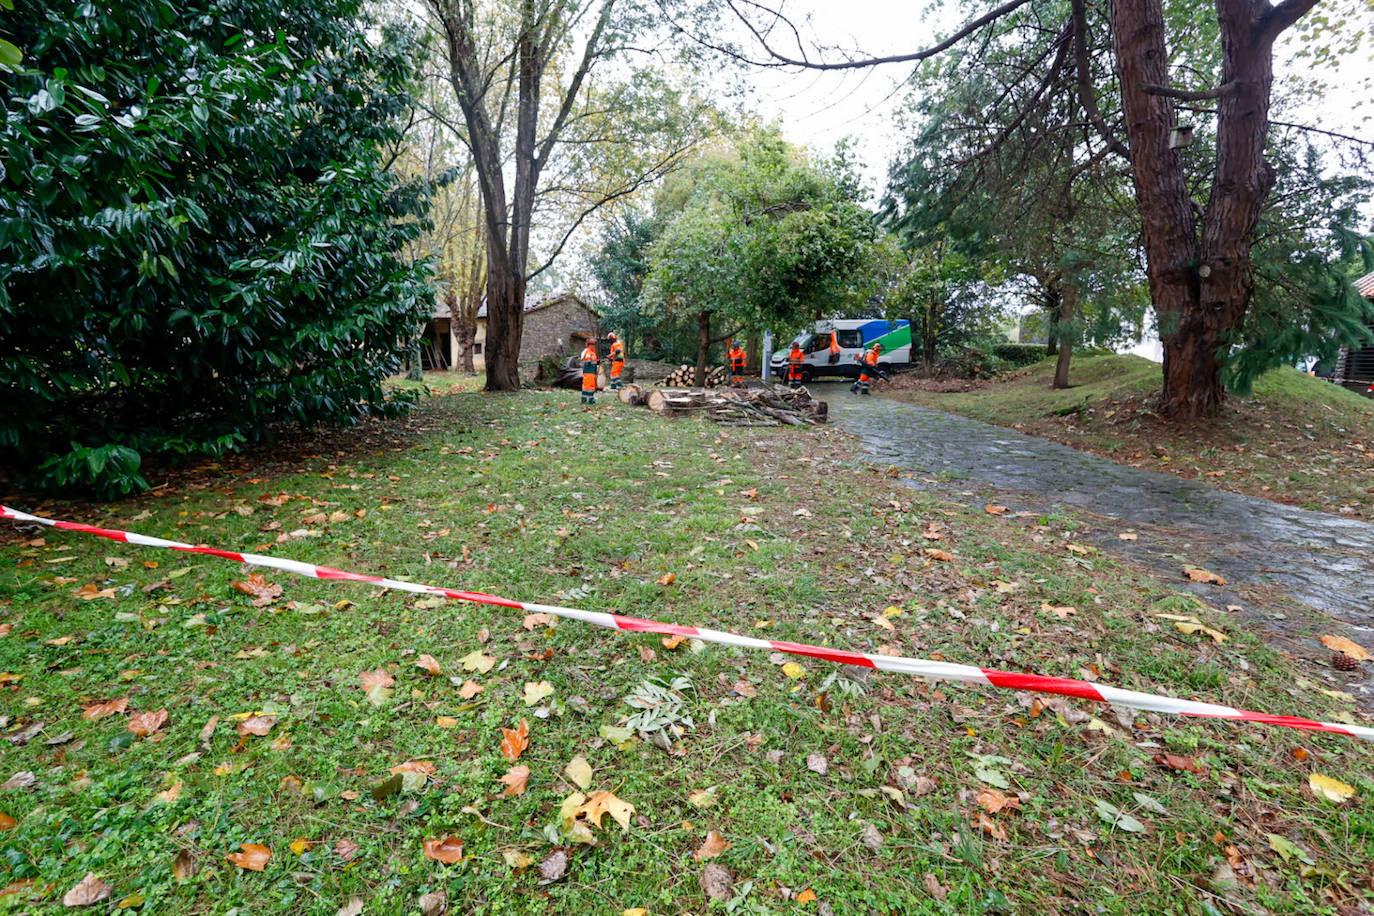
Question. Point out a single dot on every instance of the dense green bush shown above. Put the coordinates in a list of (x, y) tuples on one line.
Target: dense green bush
[(1019, 354), (199, 239)]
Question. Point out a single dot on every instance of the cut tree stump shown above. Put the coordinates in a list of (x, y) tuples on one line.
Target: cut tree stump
[(633, 395)]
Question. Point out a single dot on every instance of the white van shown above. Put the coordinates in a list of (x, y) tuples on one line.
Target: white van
[(854, 335)]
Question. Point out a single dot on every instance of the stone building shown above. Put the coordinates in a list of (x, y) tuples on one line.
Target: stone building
[(554, 327)]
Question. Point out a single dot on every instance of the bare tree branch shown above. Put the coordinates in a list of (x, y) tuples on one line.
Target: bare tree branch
[(1187, 95)]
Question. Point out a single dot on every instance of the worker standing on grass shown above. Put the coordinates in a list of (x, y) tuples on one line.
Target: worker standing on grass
[(736, 358), (589, 364), (617, 360), (866, 366), (795, 359)]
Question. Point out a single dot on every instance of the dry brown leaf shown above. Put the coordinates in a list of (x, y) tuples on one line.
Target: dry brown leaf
[(88, 890), (1349, 647), (254, 856), (184, 866), (414, 766), (994, 800), (448, 850), (515, 740), (346, 850), (943, 556), (263, 592), (145, 723), (995, 510), (933, 886), (90, 591), (378, 678), (429, 663), (1201, 575), (990, 827), (554, 865), (1175, 762), (256, 725), (169, 794), (535, 620), (354, 906), (515, 780), (717, 882), (603, 803), (470, 689), (667, 579), (107, 708), (712, 846), (435, 903), (672, 642), (7, 822)]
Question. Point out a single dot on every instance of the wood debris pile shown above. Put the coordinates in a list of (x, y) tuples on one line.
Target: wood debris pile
[(768, 406), (686, 377)]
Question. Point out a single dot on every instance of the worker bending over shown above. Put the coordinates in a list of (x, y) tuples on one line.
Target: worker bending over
[(590, 360), (736, 357), (617, 360), (867, 368)]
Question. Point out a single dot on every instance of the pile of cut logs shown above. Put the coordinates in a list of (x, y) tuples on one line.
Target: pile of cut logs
[(771, 406), (686, 377)]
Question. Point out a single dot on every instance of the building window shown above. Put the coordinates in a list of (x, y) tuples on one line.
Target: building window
[(477, 349)]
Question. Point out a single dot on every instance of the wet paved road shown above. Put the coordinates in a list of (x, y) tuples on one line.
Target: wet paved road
[(1324, 561)]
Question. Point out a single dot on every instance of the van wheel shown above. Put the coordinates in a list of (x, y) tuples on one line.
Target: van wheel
[(807, 374)]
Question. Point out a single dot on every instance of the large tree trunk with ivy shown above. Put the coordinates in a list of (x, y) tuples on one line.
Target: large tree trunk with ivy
[(1199, 263), (703, 345), (1068, 303)]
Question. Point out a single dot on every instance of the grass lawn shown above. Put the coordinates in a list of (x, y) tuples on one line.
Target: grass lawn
[(781, 788), (1297, 439)]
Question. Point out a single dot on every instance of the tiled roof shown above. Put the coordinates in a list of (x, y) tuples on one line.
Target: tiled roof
[(1365, 285)]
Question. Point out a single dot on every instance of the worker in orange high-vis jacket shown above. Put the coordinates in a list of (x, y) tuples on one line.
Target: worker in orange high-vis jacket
[(589, 364), (834, 349), (867, 368), (617, 357), (795, 359), (736, 357)]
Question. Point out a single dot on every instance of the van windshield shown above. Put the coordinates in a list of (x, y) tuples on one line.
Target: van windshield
[(805, 339)]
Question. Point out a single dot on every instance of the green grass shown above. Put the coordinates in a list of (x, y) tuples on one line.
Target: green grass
[(530, 497), (1295, 439)]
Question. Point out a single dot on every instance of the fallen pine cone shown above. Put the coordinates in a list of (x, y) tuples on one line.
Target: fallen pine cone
[(1342, 662)]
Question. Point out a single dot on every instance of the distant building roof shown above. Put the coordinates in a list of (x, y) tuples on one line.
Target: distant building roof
[(1365, 285), (543, 304)]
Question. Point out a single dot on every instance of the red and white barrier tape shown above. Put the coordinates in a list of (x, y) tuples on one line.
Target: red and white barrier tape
[(923, 667)]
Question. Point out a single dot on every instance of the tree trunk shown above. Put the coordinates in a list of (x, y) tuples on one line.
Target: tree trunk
[(467, 339), (703, 345), (752, 346), (1200, 282), (415, 371), (505, 325), (1064, 334), (1053, 310), (928, 333)]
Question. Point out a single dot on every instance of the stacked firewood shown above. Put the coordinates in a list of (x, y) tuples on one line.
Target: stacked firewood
[(767, 406), (686, 377)]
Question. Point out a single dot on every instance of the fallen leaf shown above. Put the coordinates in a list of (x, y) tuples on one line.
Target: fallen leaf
[(602, 803), (515, 740), (90, 592), (993, 800), (346, 850), (21, 780), (145, 723), (943, 556), (107, 708), (1331, 789), (667, 579), (435, 903), (806, 896), (635, 911), (1118, 818), (300, 846), (263, 592), (254, 856), (1127, 536), (714, 845), (793, 670), (476, 661), (535, 620), (990, 827), (534, 692), (517, 858), (256, 725), (429, 663), (184, 866), (1201, 575), (373, 679), (817, 763), (716, 881), (554, 865), (423, 767), (169, 794), (7, 822), (933, 886), (1175, 762), (871, 837), (88, 890), (995, 510), (1287, 849), (1349, 647), (672, 642), (579, 772), (515, 780), (448, 850), (354, 907), (702, 798)]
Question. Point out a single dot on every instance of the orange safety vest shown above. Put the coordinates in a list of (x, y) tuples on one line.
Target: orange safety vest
[(870, 360), (589, 361), (834, 344), (617, 359), (794, 362), (737, 359)]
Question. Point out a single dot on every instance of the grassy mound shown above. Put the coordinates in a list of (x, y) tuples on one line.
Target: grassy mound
[(1296, 439)]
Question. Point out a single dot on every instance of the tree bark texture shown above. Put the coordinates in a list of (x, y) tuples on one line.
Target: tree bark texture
[(1068, 303), (703, 345), (1198, 261)]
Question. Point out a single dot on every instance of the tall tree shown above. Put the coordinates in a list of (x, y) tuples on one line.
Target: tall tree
[(201, 241), (1198, 252), (525, 74)]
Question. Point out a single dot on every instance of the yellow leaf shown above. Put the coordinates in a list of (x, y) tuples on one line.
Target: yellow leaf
[(602, 803), (635, 911), (445, 721), (703, 798), (476, 661), (170, 794), (579, 772), (793, 670), (1201, 575), (300, 845), (536, 692), (893, 611), (1332, 789), (571, 805), (1341, 644), (808, 895), (515, 858), (1196, 627), (884, 622)]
